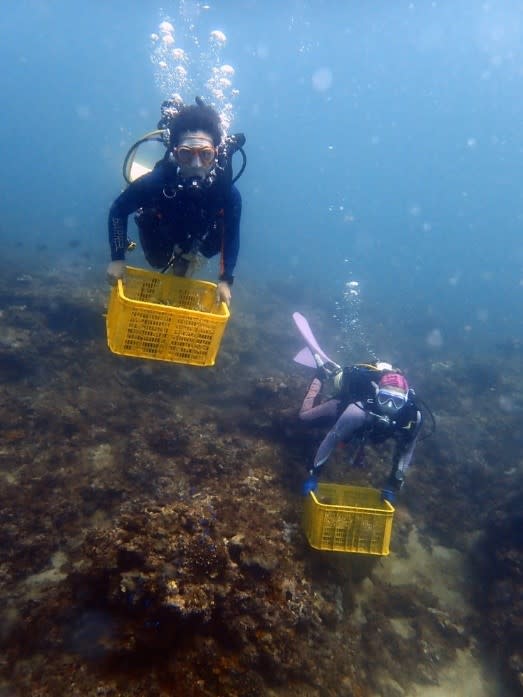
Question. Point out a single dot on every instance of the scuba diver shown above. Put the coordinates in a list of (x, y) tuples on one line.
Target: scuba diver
[(187, 205), (369, 403)]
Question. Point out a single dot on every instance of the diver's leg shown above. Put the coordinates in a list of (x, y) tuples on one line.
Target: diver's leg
[(309, 412), (155, 239), (180, 265)]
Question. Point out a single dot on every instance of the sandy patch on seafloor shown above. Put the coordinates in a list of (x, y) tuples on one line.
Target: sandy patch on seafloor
[(441, 570), (464, 678)]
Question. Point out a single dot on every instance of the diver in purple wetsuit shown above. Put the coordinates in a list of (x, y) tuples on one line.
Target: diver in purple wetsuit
[(188, 204), (370, 404)]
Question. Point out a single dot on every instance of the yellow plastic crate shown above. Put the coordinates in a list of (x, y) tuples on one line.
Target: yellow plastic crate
[(342, 518), (165, 318)]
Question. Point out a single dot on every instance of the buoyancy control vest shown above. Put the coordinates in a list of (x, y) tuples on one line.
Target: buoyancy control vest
[(359, 385)]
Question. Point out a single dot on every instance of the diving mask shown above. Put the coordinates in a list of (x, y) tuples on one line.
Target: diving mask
[(195, 154), (185, 155), (390, 401)]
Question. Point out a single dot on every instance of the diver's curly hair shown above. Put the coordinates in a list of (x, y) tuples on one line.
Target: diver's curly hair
[(195, 117)]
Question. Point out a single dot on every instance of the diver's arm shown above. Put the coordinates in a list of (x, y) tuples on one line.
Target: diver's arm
[(350, 421), (137, 195), (405, 450), (117, 231), (231, 236)]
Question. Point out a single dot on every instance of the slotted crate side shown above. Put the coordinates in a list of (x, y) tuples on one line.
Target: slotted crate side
[(160, 321), (341, 518)]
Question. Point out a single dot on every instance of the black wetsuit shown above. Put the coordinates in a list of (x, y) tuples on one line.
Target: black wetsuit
[(204, 220)]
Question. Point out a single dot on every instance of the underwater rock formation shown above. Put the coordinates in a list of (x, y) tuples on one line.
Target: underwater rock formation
[(499, 568), (150, 516)]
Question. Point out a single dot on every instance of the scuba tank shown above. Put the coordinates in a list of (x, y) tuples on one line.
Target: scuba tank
[(133, 169)]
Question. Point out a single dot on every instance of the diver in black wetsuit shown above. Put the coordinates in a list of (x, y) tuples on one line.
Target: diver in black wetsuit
[(187, 205)]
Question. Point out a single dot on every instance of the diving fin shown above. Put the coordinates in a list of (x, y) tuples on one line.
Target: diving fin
[(312, 355), (305, 357)]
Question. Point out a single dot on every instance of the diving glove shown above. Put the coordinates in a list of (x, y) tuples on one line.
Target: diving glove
[(388, 495), (310, 484), (115, 270), (223, 293)]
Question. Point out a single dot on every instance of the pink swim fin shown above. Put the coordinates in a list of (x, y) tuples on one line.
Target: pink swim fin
[(312, 355), (305, 357)]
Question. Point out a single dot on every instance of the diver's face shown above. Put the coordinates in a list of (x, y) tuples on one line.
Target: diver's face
[(390, 401), (195, 154)]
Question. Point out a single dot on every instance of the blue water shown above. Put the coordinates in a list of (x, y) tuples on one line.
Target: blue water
[(384, 145), (384, 142)]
